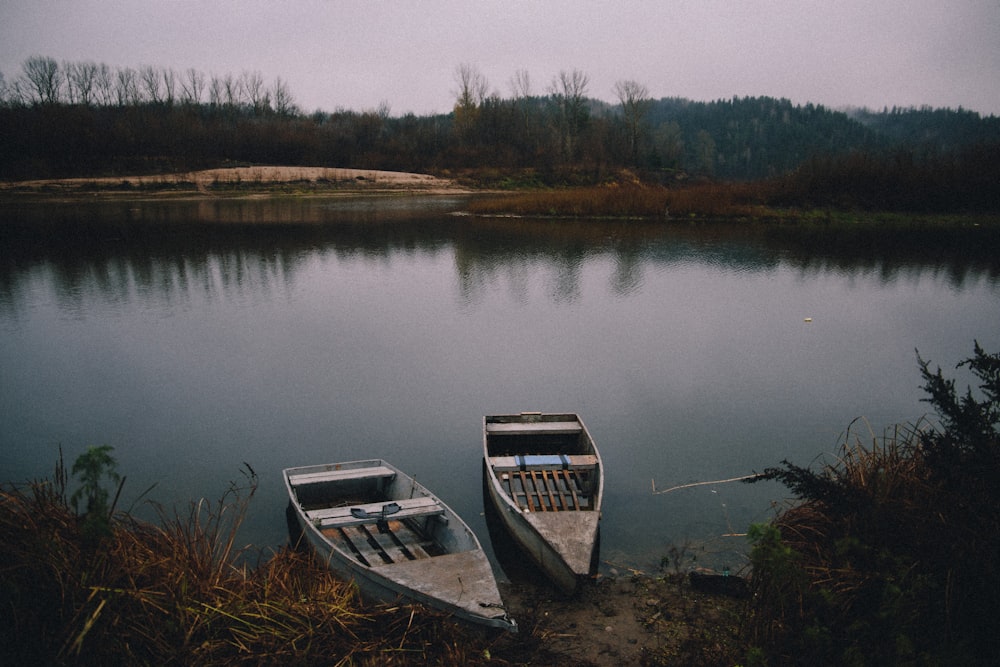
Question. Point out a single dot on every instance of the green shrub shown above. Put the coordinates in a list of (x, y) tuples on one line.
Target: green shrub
[(92, 467)]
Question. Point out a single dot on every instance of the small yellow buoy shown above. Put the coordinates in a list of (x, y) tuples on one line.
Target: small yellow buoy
[(808, 319)]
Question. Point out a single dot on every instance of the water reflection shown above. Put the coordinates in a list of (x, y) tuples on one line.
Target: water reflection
[(125, 250), (165, 281), (956, 254)]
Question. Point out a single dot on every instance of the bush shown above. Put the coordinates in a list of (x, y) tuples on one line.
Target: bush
[(93, 466), (889, 557)]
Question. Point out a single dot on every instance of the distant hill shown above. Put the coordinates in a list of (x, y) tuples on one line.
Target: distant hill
[(753, 137), (757, 137), (932, 129)]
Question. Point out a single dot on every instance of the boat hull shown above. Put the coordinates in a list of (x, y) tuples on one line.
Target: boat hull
[(566, 564), (558, 526)]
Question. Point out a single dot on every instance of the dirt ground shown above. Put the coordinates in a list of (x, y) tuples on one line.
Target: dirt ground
[(630, 619)]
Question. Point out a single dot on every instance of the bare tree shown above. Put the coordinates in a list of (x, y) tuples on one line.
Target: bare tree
[(43, 79), (169, 85), (104, 85), (520, 89), (634, 98), (469, 96), (472, 86), (216, 93), (192, 86), (520, 84), (126, 87), (17, 93), (571, 85), (81, 82), (231, 93), (569, 91), (282, 98), (69, 73), (252, 86), (149, 79)]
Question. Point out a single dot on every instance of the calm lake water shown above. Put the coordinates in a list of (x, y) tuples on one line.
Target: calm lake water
[(195, 336)]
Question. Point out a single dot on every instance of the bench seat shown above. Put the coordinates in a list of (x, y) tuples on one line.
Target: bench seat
[(302, 479), (543, 462), (533, 428), (342, 516)]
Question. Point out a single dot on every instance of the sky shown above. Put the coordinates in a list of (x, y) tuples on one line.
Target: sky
[(358, 55)]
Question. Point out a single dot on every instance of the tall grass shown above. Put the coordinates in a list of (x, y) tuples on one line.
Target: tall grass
[(632, 199), (171, 592)]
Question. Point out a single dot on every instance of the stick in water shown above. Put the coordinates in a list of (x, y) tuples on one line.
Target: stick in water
[(716, 481)]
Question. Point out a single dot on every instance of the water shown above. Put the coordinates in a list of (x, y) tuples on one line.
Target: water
[(195, 336)]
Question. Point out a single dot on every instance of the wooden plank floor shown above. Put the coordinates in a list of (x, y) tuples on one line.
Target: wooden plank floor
[(547, 490), (373, 548)]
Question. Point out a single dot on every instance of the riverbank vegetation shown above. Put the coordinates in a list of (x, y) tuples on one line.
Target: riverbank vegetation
[(727, 157), (857, 182), (888, 556), (99, 587), (91, 585)]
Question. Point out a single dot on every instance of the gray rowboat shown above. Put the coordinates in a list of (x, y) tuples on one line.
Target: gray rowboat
[(545, 478), (375, 525)]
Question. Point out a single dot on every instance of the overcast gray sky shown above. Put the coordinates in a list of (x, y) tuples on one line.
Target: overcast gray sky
[(357, 54)]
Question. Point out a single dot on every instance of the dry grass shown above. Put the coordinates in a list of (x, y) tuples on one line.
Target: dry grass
[(171, 593), (632, 199)]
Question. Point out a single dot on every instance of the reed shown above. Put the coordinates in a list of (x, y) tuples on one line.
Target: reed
[(181, 591)]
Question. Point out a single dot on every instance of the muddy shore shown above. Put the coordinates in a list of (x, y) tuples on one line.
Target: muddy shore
[(628, 619)]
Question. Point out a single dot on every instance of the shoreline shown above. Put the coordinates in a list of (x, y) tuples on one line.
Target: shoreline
[(263, 182), (623, 619)]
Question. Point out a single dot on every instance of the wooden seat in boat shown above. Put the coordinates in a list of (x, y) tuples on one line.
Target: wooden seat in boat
[(355, 515)]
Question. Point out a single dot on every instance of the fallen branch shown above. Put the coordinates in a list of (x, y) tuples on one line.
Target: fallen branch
[(716, 481)]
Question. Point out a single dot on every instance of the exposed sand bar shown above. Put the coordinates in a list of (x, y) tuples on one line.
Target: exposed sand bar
[(248, 176)]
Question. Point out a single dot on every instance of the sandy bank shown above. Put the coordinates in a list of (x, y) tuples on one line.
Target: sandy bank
[(249, 177)]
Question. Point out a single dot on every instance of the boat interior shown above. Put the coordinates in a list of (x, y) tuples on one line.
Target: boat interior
[(540, 483), (359, 511), (544, 466)]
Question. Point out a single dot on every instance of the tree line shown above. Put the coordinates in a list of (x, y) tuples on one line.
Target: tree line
[(85, 118), (43, 80)]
